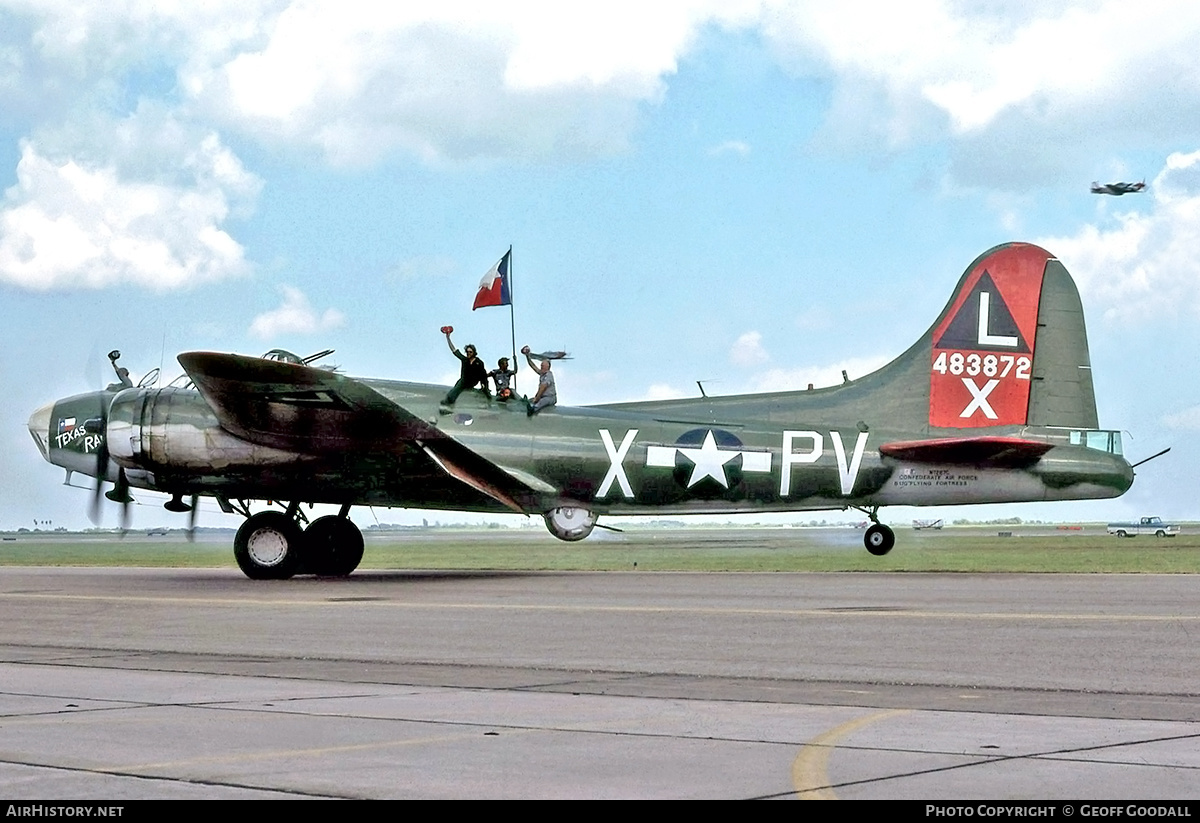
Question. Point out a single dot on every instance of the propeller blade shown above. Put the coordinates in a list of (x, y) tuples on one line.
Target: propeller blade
[(120, 493), (191, 531), (94, 509), (101, 470)]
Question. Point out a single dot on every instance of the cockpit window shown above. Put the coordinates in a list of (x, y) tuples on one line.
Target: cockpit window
[(283, 356), (1105, 441)]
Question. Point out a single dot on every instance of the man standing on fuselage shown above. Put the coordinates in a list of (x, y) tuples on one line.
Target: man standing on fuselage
[(473, 371)]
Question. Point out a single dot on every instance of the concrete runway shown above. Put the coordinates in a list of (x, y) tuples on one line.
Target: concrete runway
[(136, 683)]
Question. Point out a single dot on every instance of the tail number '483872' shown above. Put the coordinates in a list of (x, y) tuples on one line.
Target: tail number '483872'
[(974, 364)]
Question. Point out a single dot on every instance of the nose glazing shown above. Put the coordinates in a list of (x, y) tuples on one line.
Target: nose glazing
[(39, 427)]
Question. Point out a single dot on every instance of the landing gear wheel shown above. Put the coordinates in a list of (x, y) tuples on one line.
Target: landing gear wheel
[(268, 546), (570, 523), (879, 539), (333, 546)]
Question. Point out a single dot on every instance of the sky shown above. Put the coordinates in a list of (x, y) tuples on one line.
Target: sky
[(754, 194)]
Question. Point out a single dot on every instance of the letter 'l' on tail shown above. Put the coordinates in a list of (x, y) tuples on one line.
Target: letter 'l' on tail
[(1010, 349)]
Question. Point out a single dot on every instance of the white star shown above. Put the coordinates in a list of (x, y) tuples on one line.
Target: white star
[(710, 461)]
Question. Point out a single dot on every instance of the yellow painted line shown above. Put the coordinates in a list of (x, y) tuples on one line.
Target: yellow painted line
[(836, 612), (810, 769)]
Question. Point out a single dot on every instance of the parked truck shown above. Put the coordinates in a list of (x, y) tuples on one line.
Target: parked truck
[(1147, 525)]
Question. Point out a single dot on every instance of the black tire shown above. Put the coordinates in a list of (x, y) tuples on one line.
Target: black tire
[(879, 539), (333, 546), (269, 546), (1121, 533), (1160, 533)]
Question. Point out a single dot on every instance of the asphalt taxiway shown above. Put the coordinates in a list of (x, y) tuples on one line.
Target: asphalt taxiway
[(169, 683)]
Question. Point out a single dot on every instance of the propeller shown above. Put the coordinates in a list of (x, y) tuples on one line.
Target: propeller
[(120, 490), (176, 504), (120, 494), (191, 530)]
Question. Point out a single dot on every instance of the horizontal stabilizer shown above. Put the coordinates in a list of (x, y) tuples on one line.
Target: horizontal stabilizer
[(974, 451)]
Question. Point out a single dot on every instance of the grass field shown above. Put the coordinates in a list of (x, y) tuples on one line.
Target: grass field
[(969, 549)]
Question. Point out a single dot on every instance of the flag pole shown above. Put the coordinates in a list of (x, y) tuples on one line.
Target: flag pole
[(512, 318)]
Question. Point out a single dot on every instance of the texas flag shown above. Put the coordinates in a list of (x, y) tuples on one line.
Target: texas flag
[(494, 288)]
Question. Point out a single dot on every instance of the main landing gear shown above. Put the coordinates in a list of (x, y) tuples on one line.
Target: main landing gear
[(878, 538), (271, 545)]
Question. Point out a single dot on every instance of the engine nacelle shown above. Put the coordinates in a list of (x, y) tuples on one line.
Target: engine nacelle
[(173, 429), (570, 523)]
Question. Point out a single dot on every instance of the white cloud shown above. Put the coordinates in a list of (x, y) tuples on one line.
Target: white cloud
[(664, 391), (294, 316), (455, 81), (56, 53), (359, 80), (1023, 90), (989, 58), (748, 351), (1188, 419), (1018, 86), (1142, 266), (68, 223)]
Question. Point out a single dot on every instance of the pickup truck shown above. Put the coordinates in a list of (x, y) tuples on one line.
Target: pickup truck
[(1147, 525)]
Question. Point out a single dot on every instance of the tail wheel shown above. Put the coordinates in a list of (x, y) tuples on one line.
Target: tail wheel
[(879, 539), (268, 546), (333, 546)]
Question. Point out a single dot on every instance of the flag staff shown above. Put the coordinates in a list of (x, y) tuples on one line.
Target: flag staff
[(495, 289), (512, 322)]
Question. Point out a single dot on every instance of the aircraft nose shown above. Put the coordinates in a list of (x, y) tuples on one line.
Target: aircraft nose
[(39, 427)]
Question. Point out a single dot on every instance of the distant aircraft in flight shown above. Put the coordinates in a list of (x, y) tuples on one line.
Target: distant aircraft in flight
[(1117, 189), (994, 403)]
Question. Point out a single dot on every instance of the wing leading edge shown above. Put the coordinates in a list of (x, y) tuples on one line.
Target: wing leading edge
[(314, 411)]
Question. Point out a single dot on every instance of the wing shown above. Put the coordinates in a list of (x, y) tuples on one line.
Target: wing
[(999, 452), (314, 411)]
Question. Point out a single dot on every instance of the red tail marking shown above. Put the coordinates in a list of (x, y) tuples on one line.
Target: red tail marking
[(983, 348)]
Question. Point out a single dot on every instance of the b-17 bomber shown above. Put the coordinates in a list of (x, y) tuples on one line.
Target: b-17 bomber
[(994, 403)]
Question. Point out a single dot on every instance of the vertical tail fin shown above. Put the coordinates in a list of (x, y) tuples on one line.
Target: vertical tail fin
[(1062, 393), (1010, 349)]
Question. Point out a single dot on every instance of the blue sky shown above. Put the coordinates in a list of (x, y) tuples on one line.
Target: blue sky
[(757, 194)]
